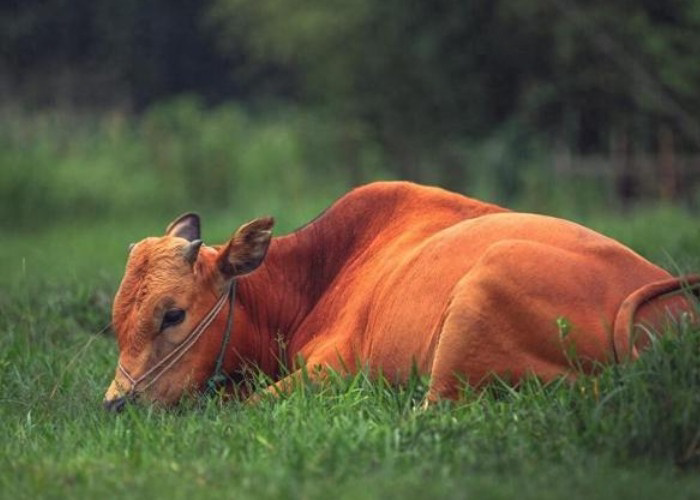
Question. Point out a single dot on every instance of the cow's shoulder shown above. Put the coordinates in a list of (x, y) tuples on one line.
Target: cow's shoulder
[(404, 205), (411, 196)]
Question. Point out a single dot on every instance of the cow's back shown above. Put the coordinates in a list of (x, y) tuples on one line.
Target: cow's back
[(536, 269), (424, 251), (363, 235)]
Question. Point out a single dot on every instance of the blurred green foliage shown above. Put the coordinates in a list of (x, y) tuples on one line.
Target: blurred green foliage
[(417, 77), (139, 110), (424, 73), (75, 189), (58, 166), (61, 167)]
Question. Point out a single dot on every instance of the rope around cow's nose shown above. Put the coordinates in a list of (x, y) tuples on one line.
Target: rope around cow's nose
[(161, 367)]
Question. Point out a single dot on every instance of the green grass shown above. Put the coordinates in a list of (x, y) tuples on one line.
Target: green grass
[(76, 192), (85, 250), (62, 168), (631, 432)]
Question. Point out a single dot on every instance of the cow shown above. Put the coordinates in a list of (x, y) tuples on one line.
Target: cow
[(394, 278)]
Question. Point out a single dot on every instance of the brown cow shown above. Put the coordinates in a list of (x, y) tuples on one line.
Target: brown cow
[(391, 277)]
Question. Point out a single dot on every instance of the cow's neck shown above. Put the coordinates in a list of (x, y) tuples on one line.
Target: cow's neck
[(298, 269)]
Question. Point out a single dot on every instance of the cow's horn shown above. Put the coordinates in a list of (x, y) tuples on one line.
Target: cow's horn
[(191, 251)]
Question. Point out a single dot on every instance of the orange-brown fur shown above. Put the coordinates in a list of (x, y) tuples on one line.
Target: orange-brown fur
[(393, 276)]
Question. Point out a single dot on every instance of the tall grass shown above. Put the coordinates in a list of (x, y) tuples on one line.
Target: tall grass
[(629, 432), (75, 190), (80, 184), (58, 166)]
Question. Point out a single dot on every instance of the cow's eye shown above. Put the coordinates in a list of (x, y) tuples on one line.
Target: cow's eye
[(172, 317)]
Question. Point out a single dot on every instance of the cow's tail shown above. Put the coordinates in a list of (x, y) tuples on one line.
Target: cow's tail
[(648, 309)]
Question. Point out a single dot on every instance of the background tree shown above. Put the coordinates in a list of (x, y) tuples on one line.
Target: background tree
[(420, 79)]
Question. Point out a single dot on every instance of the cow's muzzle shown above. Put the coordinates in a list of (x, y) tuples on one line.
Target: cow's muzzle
[(115, 405), (116, 398)]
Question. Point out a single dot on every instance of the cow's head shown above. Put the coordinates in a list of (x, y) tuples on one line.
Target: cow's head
[(170, 284)]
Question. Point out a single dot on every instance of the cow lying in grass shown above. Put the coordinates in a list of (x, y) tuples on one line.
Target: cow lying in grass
[(392, 277)]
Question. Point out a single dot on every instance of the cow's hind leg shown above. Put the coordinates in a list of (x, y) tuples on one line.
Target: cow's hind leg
[(464, 349), (502, 322)]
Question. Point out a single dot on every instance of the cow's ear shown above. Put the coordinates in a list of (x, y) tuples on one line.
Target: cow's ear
[(247, 248), (186, 226)]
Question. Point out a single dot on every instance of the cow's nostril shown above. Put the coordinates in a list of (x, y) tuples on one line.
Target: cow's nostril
[(115, 405)]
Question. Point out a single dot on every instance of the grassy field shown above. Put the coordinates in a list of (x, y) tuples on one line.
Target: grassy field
[(632, 432), (73, 196)]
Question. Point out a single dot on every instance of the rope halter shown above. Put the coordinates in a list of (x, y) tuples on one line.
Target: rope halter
[(154, 373)]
